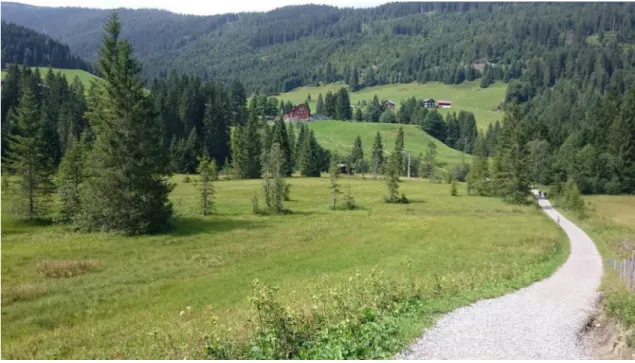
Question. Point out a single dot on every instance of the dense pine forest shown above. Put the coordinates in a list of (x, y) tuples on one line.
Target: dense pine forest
[(538, 43), (27, 47)]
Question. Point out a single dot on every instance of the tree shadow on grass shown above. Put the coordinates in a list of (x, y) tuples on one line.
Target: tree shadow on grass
[(12, 225), (189, 226)]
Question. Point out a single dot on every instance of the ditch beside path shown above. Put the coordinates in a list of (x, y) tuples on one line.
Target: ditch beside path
[(541, 321)]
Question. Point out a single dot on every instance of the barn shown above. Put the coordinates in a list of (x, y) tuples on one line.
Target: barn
[(389, 104), (444, 104), (298, 113)]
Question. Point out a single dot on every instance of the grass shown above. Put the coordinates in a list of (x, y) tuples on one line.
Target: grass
[(466, 96), (339, 136), (70, 74), (154, 296), (612, 228)]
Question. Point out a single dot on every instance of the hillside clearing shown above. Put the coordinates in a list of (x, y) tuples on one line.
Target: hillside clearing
[(466, 96), (130, 306), (70, 74), (339, 136)]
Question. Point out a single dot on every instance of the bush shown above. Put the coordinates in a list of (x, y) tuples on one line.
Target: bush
[(397, 200), (388, 117), (460, 172), (453, 189), (349, 201), (187, 179), (357, 321)]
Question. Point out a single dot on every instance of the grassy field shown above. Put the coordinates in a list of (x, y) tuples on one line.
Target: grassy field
[(70, 74), (339, 136), (154, 296), (465, 96), (612, 228)]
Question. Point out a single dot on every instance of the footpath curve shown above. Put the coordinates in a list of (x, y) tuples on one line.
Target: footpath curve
[(541, 321)]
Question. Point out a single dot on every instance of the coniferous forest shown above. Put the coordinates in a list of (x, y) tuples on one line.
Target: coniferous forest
[(26, 47)]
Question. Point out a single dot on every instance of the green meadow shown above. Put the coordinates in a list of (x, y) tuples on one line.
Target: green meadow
[(100, 295), (339, 136), (466, 96)]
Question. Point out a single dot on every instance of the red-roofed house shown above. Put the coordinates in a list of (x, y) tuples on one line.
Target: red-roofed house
[(298, 113), (444, 104)]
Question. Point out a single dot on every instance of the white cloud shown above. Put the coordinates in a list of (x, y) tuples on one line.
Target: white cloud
[(199, 7)]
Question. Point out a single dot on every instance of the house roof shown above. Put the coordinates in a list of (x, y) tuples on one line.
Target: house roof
[(428, 99), (444, 101), (389, 101)]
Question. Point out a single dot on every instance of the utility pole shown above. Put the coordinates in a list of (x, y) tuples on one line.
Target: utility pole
[(408, 165)]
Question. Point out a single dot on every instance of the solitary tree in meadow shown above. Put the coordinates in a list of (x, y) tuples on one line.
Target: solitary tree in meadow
[(429, 160), (127, 185), (207, 171), (378, 154)]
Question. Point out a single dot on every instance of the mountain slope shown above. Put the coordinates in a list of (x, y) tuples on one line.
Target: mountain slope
[(24, 46), (394, 43), (468, 96)]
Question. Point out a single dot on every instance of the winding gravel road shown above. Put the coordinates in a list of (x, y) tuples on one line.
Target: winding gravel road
[(541, 321)]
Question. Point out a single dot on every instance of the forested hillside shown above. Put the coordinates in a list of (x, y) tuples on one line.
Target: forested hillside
[(27, 47), (398, 42)]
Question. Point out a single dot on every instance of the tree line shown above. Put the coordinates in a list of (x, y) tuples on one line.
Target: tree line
[(29, 48)]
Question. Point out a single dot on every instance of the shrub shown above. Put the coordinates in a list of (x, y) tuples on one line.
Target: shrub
[(67, 268), (460, 172), (453, 189), (356, 321), (187, 179), (349, 201)]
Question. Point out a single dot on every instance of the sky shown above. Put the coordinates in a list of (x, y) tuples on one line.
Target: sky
[(199, 7)]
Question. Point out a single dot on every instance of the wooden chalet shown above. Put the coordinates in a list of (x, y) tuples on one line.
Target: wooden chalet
[(298, 113)]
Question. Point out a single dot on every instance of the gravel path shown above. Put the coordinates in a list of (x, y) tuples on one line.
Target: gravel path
[(541, 321)]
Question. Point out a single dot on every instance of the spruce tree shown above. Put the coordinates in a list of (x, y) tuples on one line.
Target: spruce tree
[(353, 82), (334, 172), (398, 152), (253, 144), (310, 156), (292, 143), (621, 144), (477, 183), (359, 116), (28, 160), (127, 186), (70, 176), (216, 131), (207, 171), (240, 157), (237, 104), (280, 136), (377, 160), (190, 152), (319, 106), (357, 153), (429, 161), (343, 105), (276, 190), (512, 176)]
